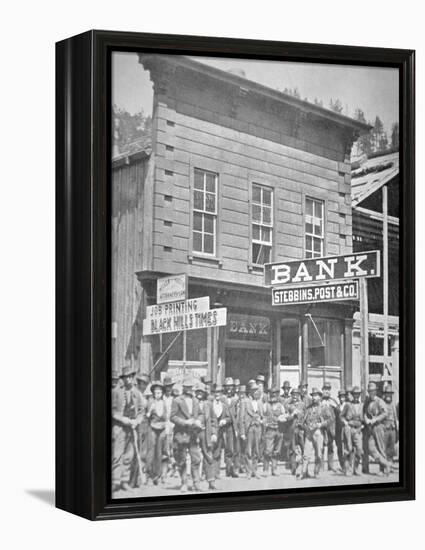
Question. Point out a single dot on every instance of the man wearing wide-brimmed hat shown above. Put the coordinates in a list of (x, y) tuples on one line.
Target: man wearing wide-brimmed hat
[(329, 406), (390, 424), (127, 413), (157, 457), (274, 418), (208, 435), (185, 415), (231, 428), (251, 422), (221, 413), (352, 437), (295, 410), (375, 412), (314, 423)]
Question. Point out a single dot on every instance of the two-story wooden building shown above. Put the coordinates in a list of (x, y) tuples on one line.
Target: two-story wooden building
[(236, 175)]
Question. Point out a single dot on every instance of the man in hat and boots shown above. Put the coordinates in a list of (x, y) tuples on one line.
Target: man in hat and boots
[(328, 407), (274, 417), (339, 428), (285, 398), (286, 392), (185, 415), (251, 426), (315, 421), (169, 426), (295, 411), (375, 413), (127, 413), (221, 413), (390, 425), (231, 433), (305, 398), (352, 424), (158, 456), (208, 435)]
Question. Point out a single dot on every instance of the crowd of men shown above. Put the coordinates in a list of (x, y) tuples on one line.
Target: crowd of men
[(162, 428)]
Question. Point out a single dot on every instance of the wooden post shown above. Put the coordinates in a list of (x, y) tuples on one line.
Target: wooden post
[(364, 335), (348, 352), (385, 271), (214, 354), (276, 353), (304, 367)]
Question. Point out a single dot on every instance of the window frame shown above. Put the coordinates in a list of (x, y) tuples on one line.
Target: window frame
[(312, 235), (193, 211), (262, 185)]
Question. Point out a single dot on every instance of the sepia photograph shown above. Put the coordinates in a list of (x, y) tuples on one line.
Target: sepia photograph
[(254, 275)]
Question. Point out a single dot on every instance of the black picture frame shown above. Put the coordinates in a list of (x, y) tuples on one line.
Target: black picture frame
[(83, 276)]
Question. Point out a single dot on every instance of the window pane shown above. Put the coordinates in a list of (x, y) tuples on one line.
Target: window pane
[(266, 254), (197, 221), (267, 196), (196, 345), (199, 179), (197, 241), (266, 234), (210, 202), (267, 214), (256, 213), (256, 250), (256, 194), (260, 253), (309, 207), (210, 182), (317, 245), (308, 228), (198, 201), (208, 224), (308, 242), (209, 243), (255, 232)]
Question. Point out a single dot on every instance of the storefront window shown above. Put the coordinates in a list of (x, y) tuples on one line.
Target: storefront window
[(196, 345), (289, 341), (324, 342)]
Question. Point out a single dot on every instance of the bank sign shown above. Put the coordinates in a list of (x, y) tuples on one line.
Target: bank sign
[(319, 270), (308, 294)]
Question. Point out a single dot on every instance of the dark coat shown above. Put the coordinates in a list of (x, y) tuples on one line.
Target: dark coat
[(182, 419)]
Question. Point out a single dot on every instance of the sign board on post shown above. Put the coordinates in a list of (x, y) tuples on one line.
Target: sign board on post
[(171, 288), (173, 322), (307, 294), (318, 270)]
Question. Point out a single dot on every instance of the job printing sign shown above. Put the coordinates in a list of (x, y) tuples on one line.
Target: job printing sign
[(186, 315), (328, 292), (312, 270)]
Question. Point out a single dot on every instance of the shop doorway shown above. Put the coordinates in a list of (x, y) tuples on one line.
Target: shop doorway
[(246, 364)]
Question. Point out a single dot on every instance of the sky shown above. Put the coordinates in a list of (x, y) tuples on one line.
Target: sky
[(374, 90)]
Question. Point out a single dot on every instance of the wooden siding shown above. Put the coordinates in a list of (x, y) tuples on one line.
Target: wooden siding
[(239, 158), (130, 252)]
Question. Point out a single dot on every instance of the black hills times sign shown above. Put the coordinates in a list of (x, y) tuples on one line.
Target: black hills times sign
[(320, 279)]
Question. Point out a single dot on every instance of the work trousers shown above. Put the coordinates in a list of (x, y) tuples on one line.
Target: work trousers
[(252, 449), (272, 447), (376, 446), (353, 448), (183, 446), (390, 440), (157, 453), (122, 454), (207, 458), (313, 448)]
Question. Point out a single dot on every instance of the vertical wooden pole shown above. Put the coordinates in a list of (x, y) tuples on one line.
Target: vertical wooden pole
[(276, 353), (221, 350), (385, 271), (348, 352), (214, 354), (304, 367), (364, 335)]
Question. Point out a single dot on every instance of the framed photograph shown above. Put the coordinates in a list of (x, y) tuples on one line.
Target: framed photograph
[(235, 275)]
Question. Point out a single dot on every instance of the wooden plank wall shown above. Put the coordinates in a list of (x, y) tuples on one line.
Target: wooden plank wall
[(189, 136), (129, 190)]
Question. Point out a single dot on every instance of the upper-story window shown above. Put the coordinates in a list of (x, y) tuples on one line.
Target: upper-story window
[(314, 227), (262, 223), (205, 212)]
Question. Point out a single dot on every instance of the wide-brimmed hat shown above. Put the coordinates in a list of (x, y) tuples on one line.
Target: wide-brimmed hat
[(326, 386), (218, 388), (200, 386), (127, 370), (188, 381), (143, 376), (286, 384), (388, 389), (252, 386), (168, 381), (260, 378), (274, 389), (236, 382), (341, 392), (316, 391), (371, 386), (229, 381), (295, 391), (356, 389), (156, 384), (242, 388)]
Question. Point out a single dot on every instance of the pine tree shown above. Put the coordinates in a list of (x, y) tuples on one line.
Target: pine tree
[(395, 136), (336, 105), (365, 141)]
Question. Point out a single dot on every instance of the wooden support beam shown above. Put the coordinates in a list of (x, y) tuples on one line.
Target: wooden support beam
[(385, 271), (304, 364), (276, 352), (364, 335)]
